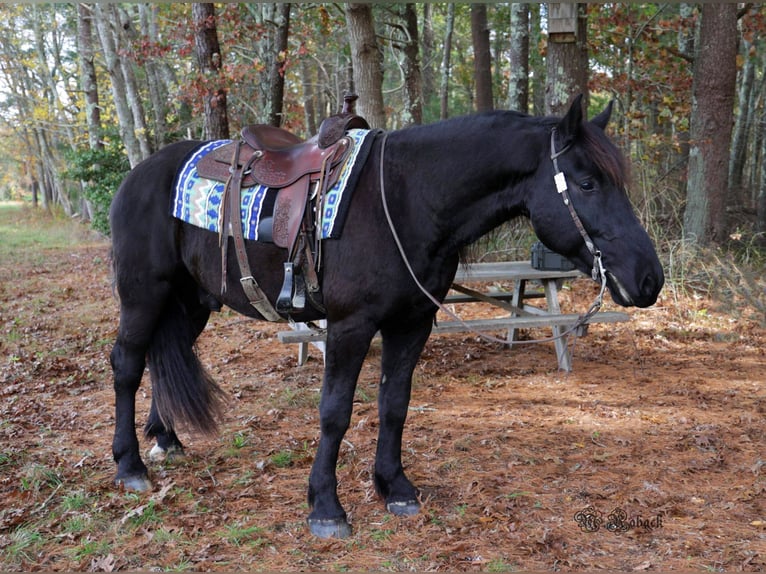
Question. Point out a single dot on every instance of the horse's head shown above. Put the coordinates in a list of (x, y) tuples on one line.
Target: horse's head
[(587, 210)]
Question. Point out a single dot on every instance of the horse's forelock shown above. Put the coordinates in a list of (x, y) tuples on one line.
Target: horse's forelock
[(607, 157)]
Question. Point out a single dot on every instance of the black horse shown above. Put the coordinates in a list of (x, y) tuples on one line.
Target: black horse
[(444, 186)]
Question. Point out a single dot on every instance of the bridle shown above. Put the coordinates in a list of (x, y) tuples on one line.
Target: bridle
[(597, 273)]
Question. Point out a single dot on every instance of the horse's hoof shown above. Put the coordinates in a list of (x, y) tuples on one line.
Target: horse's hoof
[(403, 507), (159, 454), (136, 483), (329, 527)]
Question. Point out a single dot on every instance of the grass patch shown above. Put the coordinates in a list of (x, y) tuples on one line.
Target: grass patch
[(24, 230), (76, 501), (289, 398), (25, 541), (90, 549), (499, 565), (283, 458), (239, 535), (76, 525), (38, 477)]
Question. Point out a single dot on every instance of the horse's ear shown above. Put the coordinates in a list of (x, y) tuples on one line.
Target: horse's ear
[(603, 118), (570, 123)]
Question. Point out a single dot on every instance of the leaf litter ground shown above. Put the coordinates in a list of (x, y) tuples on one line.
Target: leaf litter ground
[(650, 455)]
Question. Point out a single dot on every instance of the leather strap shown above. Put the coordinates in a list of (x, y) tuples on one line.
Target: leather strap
[(254, 293)]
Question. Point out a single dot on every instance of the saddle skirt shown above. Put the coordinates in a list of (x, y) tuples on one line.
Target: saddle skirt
[(199, 201)]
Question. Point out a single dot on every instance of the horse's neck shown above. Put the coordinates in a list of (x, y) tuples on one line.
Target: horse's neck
[(463, 186)]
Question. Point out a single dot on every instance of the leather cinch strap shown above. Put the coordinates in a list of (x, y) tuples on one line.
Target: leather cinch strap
[(233, 224)]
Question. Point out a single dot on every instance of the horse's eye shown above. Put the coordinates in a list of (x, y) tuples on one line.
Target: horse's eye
[(587, 185)]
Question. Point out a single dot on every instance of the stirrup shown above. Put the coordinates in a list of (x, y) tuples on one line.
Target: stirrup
[(285, 299), (292, 296), (299, 296)]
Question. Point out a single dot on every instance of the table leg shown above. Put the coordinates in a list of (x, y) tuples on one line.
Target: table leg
[(516, 301), (552, 299)]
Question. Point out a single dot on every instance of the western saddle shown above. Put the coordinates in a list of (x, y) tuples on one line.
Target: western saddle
[(302, 172)]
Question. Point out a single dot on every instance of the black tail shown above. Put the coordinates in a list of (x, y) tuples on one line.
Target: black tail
[(183, 391)]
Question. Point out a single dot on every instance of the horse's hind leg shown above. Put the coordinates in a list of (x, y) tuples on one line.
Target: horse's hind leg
[(168, 445), (401, 351), (128, 358)]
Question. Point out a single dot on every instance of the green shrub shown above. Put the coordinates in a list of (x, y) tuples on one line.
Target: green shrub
[(102, 171)]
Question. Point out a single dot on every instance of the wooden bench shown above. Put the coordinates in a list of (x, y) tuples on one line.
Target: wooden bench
[(521, 315)]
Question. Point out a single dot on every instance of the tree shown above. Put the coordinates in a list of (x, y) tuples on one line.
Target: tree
[(209, 61), (413, 79), (760, 204), (482, 60), (159, 75), (277, 75), (367, 59), (518, 90), (446, 67), (567, 57), (428, 52), (108, 24), (715, 75), (88, 74)]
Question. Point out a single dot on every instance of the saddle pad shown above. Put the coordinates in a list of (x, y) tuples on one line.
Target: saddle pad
[(198, 201)]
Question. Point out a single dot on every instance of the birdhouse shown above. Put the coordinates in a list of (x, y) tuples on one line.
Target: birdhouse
[(562, 22)]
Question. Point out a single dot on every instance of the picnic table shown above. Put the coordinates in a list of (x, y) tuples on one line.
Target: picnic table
[(529, 284)]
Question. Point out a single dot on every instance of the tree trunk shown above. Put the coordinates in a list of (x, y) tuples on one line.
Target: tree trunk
[(367, 59), (567, 64), (715, 75), (427, 51), (158, 91), (413, 81), (309, 109), (760, 204), (209, 60), (518, 90), (685, 42), (131, 82), (742, 125), (124, 115), (446, 71), (88, 75), (277, 74), (482, 59), (536, 62)]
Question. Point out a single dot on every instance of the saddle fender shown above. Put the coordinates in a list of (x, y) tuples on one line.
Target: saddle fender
[(289, 209)]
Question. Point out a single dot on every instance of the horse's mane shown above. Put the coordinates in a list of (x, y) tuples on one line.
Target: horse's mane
[(607, 156), (597, 146)]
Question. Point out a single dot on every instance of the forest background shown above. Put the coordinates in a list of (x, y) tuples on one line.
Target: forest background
[(663, 417), (89, 90)]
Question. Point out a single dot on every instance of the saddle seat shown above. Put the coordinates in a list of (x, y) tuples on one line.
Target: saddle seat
[(272, 157), (270, 138)]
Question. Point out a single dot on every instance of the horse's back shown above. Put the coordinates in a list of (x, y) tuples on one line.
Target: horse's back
[(150, 180)]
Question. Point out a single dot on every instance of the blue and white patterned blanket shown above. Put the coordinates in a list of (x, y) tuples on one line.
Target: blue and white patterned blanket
[(197, 200)]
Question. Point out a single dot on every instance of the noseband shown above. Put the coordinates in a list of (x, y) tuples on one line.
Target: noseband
[(599, 271)]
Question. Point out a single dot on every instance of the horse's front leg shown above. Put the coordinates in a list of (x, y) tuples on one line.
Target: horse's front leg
[(401, 351), (347, 346)]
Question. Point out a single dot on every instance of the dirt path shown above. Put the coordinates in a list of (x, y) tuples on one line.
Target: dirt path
[(650, 455)]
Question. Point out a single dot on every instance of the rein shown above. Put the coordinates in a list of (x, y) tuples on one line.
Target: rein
[(598, 271)]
